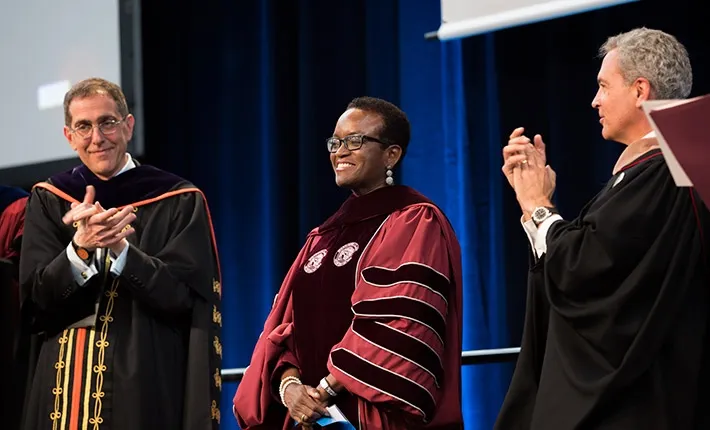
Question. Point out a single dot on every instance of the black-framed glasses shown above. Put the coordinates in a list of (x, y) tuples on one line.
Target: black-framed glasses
[(351, 142), (107, 128)]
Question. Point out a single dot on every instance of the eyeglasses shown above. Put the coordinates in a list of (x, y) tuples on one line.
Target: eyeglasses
[(106, 128), (351, 142)]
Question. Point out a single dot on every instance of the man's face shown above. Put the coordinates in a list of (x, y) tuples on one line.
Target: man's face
[(103, 152), (619, 104)]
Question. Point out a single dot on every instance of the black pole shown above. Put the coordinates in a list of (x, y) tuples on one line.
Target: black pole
[(432, 35)]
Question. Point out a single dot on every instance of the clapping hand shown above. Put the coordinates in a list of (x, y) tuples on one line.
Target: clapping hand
[(525, 167), (97, 227)]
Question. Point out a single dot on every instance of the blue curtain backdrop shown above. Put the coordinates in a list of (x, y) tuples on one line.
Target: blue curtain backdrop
[(240, 96)]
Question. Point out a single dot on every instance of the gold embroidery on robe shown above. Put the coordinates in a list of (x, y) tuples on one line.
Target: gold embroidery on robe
[(218, 379), (58, 390), (216, 316), (217, 346), (100, 366), (215, 411)]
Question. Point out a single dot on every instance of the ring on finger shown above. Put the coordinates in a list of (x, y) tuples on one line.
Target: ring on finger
[(304, 418)]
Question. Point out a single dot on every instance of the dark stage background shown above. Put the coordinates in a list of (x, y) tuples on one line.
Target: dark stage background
[(240, 96)]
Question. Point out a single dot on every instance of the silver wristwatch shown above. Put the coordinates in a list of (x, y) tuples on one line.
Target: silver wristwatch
[(328, 389), (540, 214)]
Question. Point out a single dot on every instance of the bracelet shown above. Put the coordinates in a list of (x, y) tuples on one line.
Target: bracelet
[(326, 386), (285, 382)]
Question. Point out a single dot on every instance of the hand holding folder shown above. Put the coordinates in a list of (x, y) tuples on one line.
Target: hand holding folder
[(336, 420), (684, 140)]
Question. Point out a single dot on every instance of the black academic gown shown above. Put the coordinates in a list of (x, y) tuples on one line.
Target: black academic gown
[(617, 311), (152, 358)]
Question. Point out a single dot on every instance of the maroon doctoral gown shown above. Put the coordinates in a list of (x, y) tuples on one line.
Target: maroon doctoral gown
[(374, 297), (12, 221)]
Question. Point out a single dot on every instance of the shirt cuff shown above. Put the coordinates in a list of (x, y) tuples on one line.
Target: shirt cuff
[(537, 235), (541, 235), (81, 271), (118, 263), (530, 230)]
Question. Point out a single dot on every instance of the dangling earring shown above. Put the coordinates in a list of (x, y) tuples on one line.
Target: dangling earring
[(389, 180)]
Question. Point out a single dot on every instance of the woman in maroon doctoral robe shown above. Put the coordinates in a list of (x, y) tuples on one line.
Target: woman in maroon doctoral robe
[(369, 315)]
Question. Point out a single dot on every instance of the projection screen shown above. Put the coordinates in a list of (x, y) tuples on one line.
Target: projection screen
[(463, 18), (48, 45)]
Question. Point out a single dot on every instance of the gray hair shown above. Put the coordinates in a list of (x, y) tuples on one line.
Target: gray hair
[(656, 56)]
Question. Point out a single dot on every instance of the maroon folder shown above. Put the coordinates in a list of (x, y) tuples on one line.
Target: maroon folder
[(681, 125)]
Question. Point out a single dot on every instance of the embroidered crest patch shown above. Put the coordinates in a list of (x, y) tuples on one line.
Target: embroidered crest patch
[(345, 254), (315, 261)]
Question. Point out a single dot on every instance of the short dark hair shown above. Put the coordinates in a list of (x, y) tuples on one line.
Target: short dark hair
[(396, 129), (91, 87)]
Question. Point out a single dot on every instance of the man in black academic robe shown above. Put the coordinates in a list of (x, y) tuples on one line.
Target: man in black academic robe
[(129, 322), (618, 300)]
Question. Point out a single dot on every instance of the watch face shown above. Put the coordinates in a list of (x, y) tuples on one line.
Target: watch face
[(540, 214), (82, 253)]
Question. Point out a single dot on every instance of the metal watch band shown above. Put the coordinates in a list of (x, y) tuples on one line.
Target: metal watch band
[(326, 386)]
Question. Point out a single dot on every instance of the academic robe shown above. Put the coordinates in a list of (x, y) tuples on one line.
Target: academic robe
[(12, 216), (374, 297), (151, 359), (615, 332), (12, 220)]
